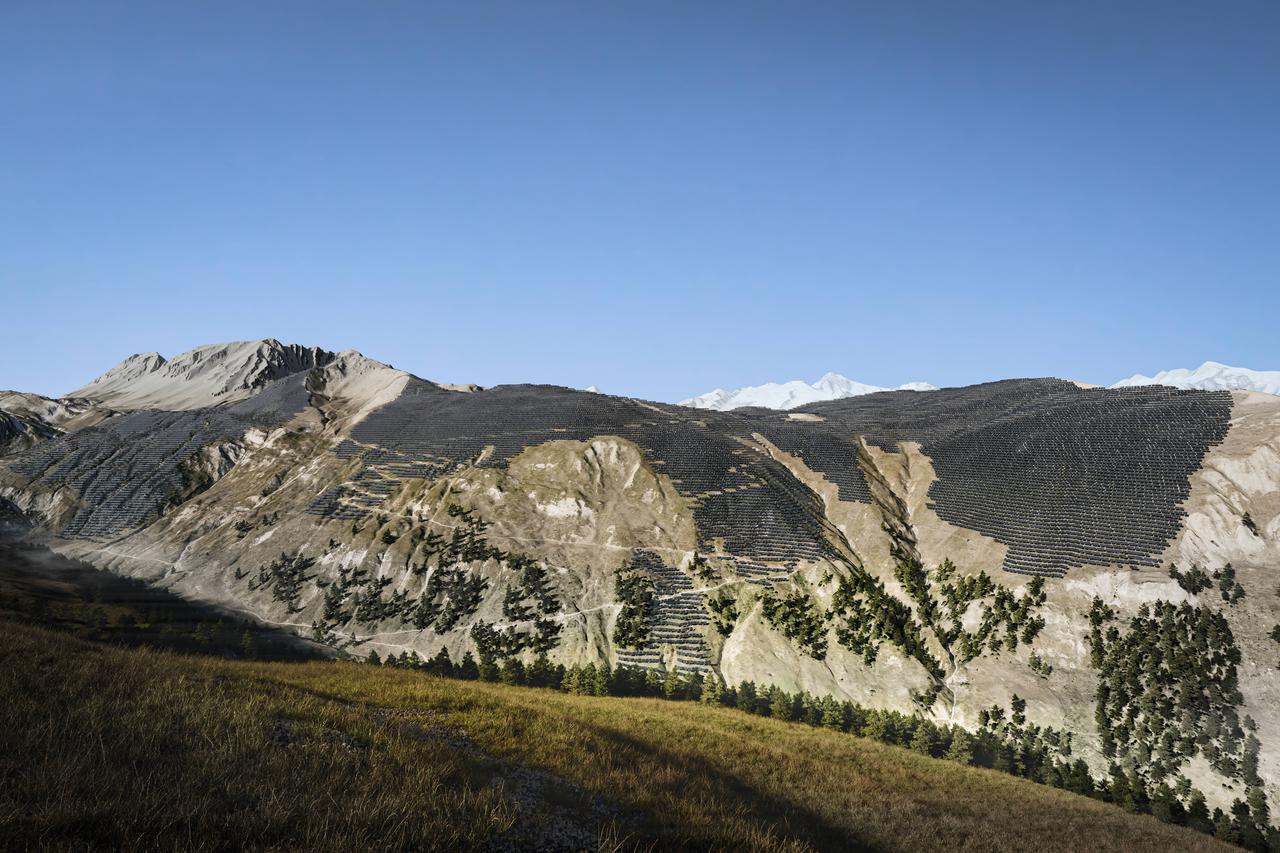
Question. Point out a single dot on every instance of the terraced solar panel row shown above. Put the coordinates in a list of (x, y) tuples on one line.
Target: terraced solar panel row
[(127, 468), (1064, 476), (679, 620), (741, 497)]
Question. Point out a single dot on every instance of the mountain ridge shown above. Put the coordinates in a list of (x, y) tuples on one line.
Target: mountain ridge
[(208, 375), (1210, 376), (792, 394)]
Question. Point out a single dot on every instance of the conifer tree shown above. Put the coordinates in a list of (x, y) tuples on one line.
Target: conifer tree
[(1223, 827), (468, 668), (1256, 798), (600, 680), (922, 739), (1198, 817), (780, 704), (961, 748), (512, 671), (440, 664), (541, 672), (832, 713), (746, 699)]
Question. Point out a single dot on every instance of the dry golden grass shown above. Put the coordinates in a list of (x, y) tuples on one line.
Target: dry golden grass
[(137, 749)]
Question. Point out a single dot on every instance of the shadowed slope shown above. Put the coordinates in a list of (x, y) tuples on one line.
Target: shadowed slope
[(132, 748)]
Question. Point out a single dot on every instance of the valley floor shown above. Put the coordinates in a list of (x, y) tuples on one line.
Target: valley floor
[(122, 748)]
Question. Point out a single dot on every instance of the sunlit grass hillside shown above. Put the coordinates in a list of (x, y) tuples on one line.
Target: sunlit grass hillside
[(132, 748)]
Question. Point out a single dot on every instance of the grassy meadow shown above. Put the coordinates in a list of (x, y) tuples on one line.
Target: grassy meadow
[(110, 747)]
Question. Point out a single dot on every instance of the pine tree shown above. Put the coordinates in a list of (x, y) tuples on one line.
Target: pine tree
[(747, 697), (203, 634), (1141, 799), (572, 676), (780, 704), (468, 668), (373, 658), (832, 713), (540, 671), (1165, 807), (247, 647), (652, 682), (587, 683), (511, 671), (1223, 828), (961, 748), (1249, 760), (1242, 821), (1198, 817), (922, 739), (1257, 800), (440, 664), (600, 680), (1121, 792)]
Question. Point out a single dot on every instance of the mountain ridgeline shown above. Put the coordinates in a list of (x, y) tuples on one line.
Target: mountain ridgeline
[(1099, 562)]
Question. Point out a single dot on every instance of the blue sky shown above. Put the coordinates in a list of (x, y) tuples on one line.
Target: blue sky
[(658, 198)]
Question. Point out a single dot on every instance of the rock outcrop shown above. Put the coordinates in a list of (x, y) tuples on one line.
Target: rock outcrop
[(212, 375)]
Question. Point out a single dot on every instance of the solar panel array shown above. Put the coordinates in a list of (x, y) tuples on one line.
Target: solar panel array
[(679, 621), (127, 468), (1064, 476), (741, 499)]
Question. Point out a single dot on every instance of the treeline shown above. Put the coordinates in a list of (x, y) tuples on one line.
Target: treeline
[(178, 628), (1004, 741)]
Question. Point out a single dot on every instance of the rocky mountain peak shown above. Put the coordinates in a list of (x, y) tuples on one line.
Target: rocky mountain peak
[(205, 376), (133, 367)]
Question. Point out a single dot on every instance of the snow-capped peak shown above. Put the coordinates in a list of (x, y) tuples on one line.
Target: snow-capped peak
[(1210, 376), (789, 395)]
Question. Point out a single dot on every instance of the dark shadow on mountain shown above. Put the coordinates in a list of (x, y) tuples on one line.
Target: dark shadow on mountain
[(41, 587)]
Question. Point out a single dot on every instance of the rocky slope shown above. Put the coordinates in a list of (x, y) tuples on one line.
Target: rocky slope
[(1108, 556), (205, 376), (28, 419)]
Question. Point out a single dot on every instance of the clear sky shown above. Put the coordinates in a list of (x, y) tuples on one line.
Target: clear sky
[(658, 198)]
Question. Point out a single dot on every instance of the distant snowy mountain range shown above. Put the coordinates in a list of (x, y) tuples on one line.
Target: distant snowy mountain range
[(789, 395), (1210, 376)]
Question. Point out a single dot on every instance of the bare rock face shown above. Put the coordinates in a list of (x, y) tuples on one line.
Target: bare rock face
[(19, 433), (931, 553), (28, 419), (206, 376)]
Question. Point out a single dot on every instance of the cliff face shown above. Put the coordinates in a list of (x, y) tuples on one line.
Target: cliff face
[(935, 553)]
